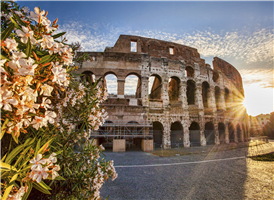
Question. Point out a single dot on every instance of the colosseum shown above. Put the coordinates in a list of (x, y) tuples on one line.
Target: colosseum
[(180, 101)]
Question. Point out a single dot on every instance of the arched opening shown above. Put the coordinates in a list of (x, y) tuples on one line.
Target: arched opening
[(205, 90), (239, 133), (173, 89), (133, 86), (231, 132), (110, 82), (215, 76), (190, 92), (218, 97), (246, 133), (227, 98), (157, 134), (176, 135), (155, 87), (221, 128), (194, 134), (189, 71), (209, 133), (88, 76)]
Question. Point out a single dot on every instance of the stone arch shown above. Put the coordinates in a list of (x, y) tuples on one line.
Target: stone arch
[(156, 87), (209, 133), (218, 97), (190, 71), (205, 94), (173, 89), (239, 133), (110, 82), (194, 134), (176, 135), (133, 85), (221, 129), (227, 98), (215, 76), (88, 76), (190, 92), (158, 131), (231, 132)]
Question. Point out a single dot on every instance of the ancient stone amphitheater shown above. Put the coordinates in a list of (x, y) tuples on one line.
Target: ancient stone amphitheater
[(189, 103)]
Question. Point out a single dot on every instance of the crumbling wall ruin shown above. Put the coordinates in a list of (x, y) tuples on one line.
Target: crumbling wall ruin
[(189, 103)]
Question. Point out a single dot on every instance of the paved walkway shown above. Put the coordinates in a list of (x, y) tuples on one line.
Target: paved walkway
[(202, 174)]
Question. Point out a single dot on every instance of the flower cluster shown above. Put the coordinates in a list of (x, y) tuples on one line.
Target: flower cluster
[(42, 168)]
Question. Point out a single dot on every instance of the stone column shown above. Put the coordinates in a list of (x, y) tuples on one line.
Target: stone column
[(222, 99), (216, 131), (202, 135), (226, 134), (183, 96), (211, 99), (166, 136), (164, 93), (242, 133), (199, 96), (235, 134), (144, 91), (120, 88), (186, 134)]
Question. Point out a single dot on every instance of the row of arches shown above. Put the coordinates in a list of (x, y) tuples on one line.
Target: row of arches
[(132, 86), (177, 134)]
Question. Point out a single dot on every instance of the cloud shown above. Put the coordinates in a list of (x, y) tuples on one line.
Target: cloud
[(263, 77), (250, 47)]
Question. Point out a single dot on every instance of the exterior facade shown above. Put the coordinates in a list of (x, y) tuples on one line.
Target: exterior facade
[(256, 124), (189, 103)]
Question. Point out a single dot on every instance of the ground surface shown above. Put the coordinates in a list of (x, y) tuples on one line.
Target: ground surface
[(203, 174)]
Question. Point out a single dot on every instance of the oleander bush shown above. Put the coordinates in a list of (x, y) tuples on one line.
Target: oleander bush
[(45, 113)]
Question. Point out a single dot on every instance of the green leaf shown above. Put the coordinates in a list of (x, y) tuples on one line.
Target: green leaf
[(28, 49), (7, 192), (74, 74), (19, 20), (4, 57), (41, 53), (22, 156), (3, 127), (45, 145), (37, 147), (44, 185), (4, 157), (25, 196), (58, 35), (60, 178), (7, 166), (41, 188), (15, 23), (14, 153), (14, 137), (6, 33), (46, 59)]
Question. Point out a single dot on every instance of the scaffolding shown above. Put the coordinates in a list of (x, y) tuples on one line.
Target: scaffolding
[(121, 130)]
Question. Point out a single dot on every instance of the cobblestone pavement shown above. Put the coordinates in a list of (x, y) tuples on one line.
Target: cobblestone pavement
[(195, 176)]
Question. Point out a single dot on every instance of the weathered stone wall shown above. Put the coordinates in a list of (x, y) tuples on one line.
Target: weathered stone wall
[(153, 59)]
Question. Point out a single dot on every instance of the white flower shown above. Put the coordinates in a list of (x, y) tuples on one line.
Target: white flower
[(36, 162), (18, 195), (46, 90), (25, 9), (45, 103), (11, 44), (25, 34), (49, 116), (60, 74), (38, 122), (16, 57), (54, 171), (18, 13), (2, 62), (27, 67), (46, 41), (38, 174), (35, 16), (7, 98)]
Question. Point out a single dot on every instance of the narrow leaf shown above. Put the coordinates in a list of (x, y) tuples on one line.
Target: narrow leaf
[(15, 23), (25, 196), (44, 185), (7, 166), (14, 153), (37, 147), (45, 145), (28, 49), (3, 127), (40, 188), (7, 32), (58, 35)]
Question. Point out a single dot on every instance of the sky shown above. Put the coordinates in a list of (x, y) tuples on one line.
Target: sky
[(240, 33)]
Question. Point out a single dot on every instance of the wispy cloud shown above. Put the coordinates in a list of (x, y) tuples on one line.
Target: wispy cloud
[(263, 77), (250, 47)]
